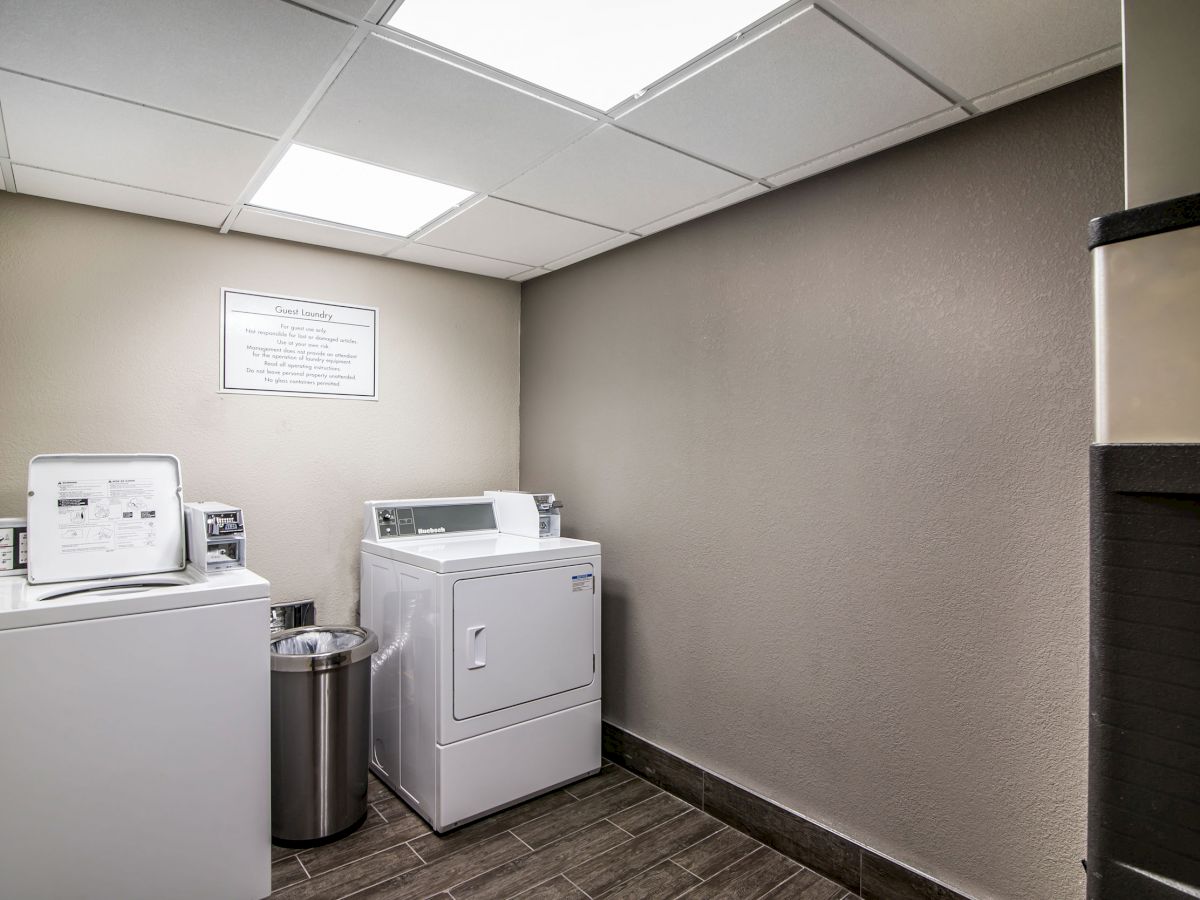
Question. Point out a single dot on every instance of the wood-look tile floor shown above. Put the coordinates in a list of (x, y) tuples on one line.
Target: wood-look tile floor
[(612, 835)]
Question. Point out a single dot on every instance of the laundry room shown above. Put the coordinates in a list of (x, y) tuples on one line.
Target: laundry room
[(464, 449)]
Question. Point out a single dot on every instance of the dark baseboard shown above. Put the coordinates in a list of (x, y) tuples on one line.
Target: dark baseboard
[(1143, 728), (871, 876)]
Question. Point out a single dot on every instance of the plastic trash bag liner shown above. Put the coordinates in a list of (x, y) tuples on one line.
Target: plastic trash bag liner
[(315, 643)]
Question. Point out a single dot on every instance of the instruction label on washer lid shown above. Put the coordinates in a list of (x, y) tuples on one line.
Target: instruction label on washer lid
[(101, 516), (581, 582)]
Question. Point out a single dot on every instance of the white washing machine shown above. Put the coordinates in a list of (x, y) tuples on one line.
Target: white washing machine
[(134, 710), (486, 686)]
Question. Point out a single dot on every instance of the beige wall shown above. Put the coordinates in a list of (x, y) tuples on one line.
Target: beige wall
[(1162, 99), (834, 441), (109, 342)]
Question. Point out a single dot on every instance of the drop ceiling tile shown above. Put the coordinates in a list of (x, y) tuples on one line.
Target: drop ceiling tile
[(59, 128), (703, 209), (798, 91), (74, 189), (984, 45), (617, 179), (251, 65), (403, 109), (451, 259), (873, 145), (595, 250), (504, 230), (287, 228), (1089, 65)]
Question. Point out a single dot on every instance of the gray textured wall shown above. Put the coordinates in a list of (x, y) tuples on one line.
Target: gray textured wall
[(834, 441), (109, 327)]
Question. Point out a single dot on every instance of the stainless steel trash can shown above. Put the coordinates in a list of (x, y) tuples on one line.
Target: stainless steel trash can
[(320, 719)]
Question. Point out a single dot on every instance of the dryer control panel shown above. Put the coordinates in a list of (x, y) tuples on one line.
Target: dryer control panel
[(395, 521), (391, 519)]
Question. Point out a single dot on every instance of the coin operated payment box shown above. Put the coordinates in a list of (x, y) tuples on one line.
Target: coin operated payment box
[(527, 514), (216, 536)]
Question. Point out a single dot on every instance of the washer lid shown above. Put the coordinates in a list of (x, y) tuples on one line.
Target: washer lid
[(95, 515)]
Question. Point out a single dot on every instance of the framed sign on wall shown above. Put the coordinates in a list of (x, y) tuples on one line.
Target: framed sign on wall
[(287, 346)]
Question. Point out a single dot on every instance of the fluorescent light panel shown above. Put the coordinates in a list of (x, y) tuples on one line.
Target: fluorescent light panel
[(332, 188), (596, 51)]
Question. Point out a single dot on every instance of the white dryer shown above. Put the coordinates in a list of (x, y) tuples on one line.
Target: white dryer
[(486, 686)]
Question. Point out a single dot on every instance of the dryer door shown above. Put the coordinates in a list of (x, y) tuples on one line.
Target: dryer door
[(522, 636)]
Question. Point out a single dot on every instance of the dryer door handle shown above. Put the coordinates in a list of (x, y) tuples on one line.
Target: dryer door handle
[(476, 647)]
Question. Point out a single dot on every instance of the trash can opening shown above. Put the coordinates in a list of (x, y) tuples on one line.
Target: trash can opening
[(313, 643), (316, 648)]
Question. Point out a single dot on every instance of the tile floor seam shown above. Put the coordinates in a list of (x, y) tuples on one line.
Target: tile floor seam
[(684, 869), (374, 884), (640, 802), (778, 883), (749, 852), (531, 849), (543, 815), (527, 888), (577, 800), (410, 846), (616, 887), (358, 859), (792, 876), (509, 831), (631, 838), (368, 887), (656, 862), (561, 837), (518, 837), (574, 885), (704, 881), (632, 776), (616, 826), (672, 819), (621, 785), (450, 888), (303, 867)]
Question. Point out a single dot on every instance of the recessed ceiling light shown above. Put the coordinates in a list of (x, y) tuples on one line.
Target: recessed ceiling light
[(596, 51), (326, 186)]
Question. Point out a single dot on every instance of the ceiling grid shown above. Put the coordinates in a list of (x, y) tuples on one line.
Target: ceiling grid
[(361, 32), (201, 123)]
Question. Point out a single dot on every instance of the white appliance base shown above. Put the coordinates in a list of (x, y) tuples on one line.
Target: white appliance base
[(481, 775), (135, 756)]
